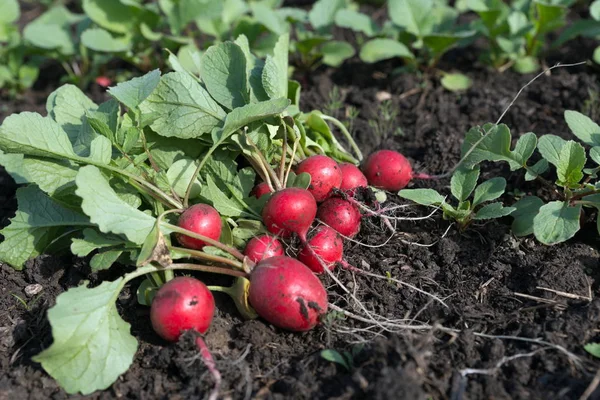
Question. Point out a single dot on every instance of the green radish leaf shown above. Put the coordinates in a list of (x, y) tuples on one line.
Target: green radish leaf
[(336, 52), (269, 18), (425, 197), (570, 164), (133, 92), (526, 65), (104, 259), (536, 169), (68, 105), (595, 10), (223, 71), (457, 214), (593, 348), (49, 37), (182, 107), (596, 55), (492, 143), (52, 176), (38, 221), (180, 174), (463, 182), (93, 240), (242, 116), (275, 71), (146, 292), (111, 14), (98, 39), (492, 211), (357, 21), (413, 15), (550, 16), (245, 230), (92, 344), (322, 14), (221, 202), (556, 222), (583, 127), (526, 210), (107, 210), (439, 43), (489, 190), (456, 82), (382, 49), (550, 147), (335, 357), (9, 11), (595, 154), (254, 71), (300, 181)]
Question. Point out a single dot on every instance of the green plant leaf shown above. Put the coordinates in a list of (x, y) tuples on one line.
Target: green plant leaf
[(595, 10), (537, 169), (133, 92), (357, 21), (595, 154), (106, 209), (492, 211), (111, 14), (275, 71), (463, 182), (570, 163), (9, 11), (223, 70), (382, 49), (322, 14), (180, 174), (249, 113), (224, 205), (52, 176), (593, 348), (439, 43), (556, 222), (50, 37), (489, 190), (92, 345), (550, 16), (38, 221), (425, 197), (456, 82), (583, 127), (550, 147), (98, 39), (525, 211), (335, 357), (104, 259), (596, 55), (412, 15), (182, 107), (336, 52), (495, 146), (92, 240), (269, 18)]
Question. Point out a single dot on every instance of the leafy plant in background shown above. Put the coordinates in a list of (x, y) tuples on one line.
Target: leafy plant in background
[(18, 71), (584, 27), (518, 32), (462, 186), (105, 184), (557, 217)]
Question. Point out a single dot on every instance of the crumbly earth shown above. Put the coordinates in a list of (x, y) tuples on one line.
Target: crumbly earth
[(481, 273)]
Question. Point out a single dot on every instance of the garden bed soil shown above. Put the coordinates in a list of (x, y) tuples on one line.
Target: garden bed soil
[(476, 272)]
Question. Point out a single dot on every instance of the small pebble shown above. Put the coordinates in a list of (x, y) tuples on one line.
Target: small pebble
[(32, 290)]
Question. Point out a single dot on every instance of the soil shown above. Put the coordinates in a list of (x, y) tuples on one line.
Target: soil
[(489, 342)]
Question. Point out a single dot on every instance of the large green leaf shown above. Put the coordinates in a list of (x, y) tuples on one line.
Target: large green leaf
[(111, 14), (336, 52), (583, 127), (412, 15), (9, 11), (556, 222), (570, 164), (322, 14), (223, 70), (382, 49), (181, 107), (426, 197), (275, 71), (92, 345), (38, 221), (98, 39), (357, 21), (463, 182), (133, 92), (526, 210)]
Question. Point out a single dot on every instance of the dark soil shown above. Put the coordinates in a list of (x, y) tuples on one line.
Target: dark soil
[(479, 274)]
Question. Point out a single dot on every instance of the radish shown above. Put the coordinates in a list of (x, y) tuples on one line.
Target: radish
[(262, 247), (326, 248), (288, 211), (388, 170), (341, 215), (203, 220), (260, 190), (352, 178), (325, 175), (287, 294), (182, 303)]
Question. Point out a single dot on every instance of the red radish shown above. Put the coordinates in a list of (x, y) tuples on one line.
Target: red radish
[(262, 247), (327, 249), (341, 215), (201, 219), (352, 178), (287, 294), (388, 170), (103, 81), (325, 175), (182, 303), (260, 190), (288, 211)]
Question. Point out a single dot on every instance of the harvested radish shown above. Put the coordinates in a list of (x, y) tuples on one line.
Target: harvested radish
[(262, 247), (325, 175), (388, 170), (203, 220), (341, 215), (182, 303), (288, 211), (287, 294), (326, 248), (352, 178), (260, 190)]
